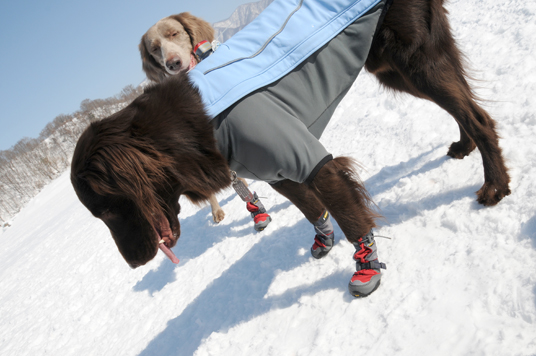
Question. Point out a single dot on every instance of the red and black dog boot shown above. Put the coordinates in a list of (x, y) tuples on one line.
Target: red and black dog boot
[(324, 238), (367, 277), (261, 219)]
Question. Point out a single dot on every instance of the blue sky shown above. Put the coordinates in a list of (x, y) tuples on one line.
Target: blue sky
[(56, 53)]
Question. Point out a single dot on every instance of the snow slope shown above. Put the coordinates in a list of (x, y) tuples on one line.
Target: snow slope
[(460, 281)]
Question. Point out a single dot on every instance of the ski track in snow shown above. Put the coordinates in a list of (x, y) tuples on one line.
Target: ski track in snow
[(460, 280)]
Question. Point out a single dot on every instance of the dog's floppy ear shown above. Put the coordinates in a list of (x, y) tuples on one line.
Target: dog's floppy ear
[(197, 28), (152, 69)]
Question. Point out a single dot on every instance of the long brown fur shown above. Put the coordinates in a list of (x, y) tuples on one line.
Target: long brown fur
[(177, 47), (130, 169), (414, 52), (337, 188)]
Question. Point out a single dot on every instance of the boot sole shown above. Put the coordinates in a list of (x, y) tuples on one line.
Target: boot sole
[(321, 254), (263, 225), (356, 294)]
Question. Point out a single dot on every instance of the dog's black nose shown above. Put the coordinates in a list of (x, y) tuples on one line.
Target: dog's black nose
[(174, 63)]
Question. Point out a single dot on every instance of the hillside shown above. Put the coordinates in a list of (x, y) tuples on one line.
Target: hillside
[(460, 280)]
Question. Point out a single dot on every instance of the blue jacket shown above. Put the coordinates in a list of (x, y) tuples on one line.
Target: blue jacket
[(272, 133), (279, 39)]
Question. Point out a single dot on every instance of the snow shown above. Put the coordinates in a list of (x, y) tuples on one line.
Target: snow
[(460, 280)]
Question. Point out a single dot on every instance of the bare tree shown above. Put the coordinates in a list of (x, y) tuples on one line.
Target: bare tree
[(32, 163)]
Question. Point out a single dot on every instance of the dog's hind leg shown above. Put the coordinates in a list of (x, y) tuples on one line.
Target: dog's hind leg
[(476, 127), (415, 52), (394, 80), (480, 127)]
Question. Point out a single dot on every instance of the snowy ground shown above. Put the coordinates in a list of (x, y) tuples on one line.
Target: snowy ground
[(460, 281)]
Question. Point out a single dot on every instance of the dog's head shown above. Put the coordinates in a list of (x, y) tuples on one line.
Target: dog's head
[(130, 169), (167, 47)]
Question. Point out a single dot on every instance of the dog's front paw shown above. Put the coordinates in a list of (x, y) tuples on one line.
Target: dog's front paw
[(460, 149), (218, 215), (490, 194)]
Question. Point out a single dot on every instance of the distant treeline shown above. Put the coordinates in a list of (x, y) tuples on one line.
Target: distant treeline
[(34, 162)]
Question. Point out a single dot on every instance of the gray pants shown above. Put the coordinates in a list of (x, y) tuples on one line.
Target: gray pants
[(272, 134)]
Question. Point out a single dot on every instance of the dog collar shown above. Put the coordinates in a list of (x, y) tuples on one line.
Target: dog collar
[(204, 49)]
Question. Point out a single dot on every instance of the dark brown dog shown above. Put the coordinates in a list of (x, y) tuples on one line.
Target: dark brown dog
[(130, 169)]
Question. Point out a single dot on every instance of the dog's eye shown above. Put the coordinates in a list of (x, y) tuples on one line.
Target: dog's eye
[(154, 49), (174, 34)]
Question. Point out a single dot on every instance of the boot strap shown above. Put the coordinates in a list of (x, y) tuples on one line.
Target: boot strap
[(370, 265)]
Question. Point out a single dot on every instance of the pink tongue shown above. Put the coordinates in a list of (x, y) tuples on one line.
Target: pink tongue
[(168, 252), (193, 62), (165, 231)]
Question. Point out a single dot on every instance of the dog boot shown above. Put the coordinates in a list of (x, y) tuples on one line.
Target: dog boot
[(324, 238), (367, 277), (258, 213)]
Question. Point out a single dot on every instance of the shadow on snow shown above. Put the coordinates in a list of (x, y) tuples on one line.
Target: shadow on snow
[(238, 295)]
